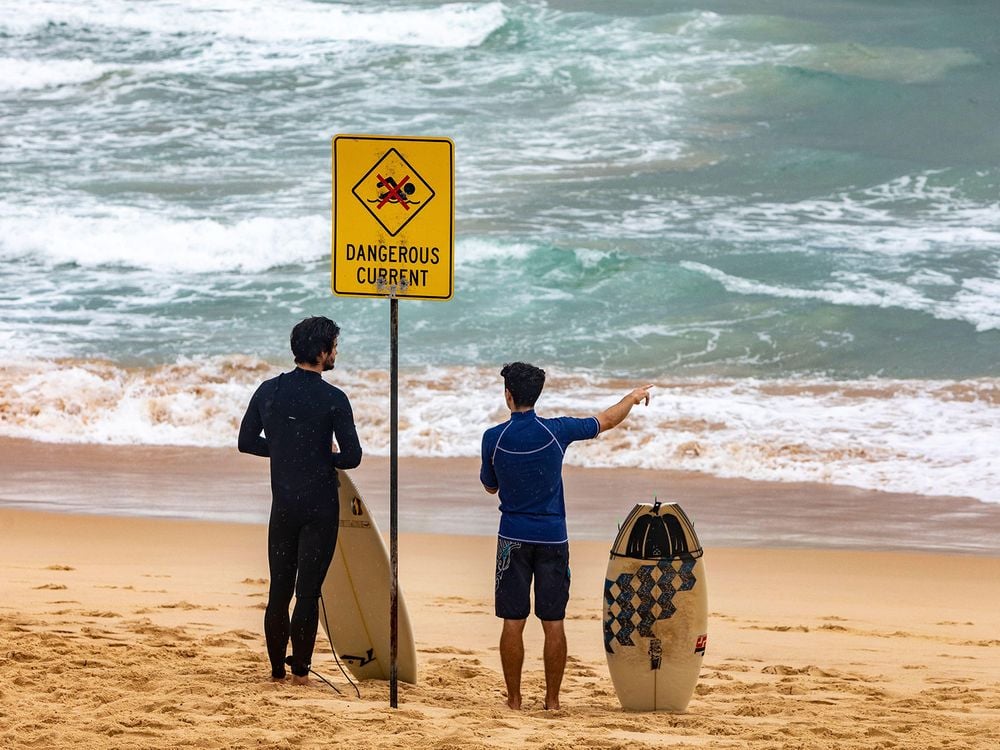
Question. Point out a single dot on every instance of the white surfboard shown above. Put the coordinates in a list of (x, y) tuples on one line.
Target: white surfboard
[(354, 609), (655, 609)]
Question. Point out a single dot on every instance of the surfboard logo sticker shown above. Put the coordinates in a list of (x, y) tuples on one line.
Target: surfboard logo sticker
[(701, 643), (356, 507), (361, 660), (655, 653), (635, 601)]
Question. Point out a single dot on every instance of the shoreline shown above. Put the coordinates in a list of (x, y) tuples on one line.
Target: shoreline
[(443, 496)]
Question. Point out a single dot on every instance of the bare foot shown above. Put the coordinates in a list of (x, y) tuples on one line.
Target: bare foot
[(514, 703), (551, 705), (300, 679)]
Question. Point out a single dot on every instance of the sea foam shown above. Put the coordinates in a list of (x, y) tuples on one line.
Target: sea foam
[(976, 302), (17, 74), (447, 25), (930, 437), (129, 237)]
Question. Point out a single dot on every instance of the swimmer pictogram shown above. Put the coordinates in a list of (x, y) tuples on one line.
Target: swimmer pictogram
[(393, 191)]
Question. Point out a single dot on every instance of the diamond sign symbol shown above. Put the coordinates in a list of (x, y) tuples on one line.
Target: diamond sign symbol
[(393, 192)]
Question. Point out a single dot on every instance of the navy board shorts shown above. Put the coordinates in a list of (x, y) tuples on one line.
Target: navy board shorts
[(520, 562)]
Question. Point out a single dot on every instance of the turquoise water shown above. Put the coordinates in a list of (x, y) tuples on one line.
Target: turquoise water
[(758, 188)]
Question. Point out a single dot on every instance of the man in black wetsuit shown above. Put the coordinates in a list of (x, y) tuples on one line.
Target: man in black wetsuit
[(300, 415)]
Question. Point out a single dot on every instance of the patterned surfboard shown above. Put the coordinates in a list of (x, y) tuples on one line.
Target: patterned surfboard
[(655, 609)]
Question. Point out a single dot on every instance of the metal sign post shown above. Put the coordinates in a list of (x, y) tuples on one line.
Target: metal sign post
[(393, 236), (392, 289), (393, 500)]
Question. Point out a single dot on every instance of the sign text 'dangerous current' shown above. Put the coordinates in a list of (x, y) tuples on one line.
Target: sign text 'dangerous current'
[(393, 216)]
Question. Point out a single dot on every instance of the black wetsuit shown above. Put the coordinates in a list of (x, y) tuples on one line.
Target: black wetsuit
[(300, 414)]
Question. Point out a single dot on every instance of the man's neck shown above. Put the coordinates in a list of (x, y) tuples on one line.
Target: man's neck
[(514, 408), (311, 368)]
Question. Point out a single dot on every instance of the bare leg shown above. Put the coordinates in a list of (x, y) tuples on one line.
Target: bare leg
[(555, 660), (512, 659)]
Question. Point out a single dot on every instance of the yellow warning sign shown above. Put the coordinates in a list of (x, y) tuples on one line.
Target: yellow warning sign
[(393, 217)]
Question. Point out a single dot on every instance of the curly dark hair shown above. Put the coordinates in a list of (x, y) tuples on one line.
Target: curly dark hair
[(311, 337), (524, 382)]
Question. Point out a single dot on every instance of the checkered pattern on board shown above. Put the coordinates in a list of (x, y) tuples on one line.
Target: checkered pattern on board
[(631, 607)]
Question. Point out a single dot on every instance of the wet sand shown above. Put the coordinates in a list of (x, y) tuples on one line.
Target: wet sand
[(444, 496)]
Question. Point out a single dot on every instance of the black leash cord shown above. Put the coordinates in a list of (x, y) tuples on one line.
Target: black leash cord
[(335, 657)]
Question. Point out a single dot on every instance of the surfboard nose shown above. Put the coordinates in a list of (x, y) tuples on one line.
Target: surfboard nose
[(661, 531)]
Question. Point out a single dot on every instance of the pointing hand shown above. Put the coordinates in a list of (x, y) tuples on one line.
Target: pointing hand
[(641, 395)]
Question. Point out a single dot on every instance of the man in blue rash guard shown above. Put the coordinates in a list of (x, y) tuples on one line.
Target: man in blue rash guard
[(522, 460), (301, 415)]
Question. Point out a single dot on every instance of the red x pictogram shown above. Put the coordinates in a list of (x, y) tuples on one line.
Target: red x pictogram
[(379, 193), (394, 192)]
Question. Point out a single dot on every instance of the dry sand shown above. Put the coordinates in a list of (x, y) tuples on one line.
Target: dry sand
[(146, 633)]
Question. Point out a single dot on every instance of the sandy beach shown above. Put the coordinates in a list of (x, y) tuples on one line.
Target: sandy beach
[(124, 632)]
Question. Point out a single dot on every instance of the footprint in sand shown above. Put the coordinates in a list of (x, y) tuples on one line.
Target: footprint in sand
[(781, 628), (98, 634), (716, 675), (721, 616), (755, 710), (186, 606), (783, 669), (446, 650), (734, 667), (948, 680), (877, 732), (441, 600), (237, 638)]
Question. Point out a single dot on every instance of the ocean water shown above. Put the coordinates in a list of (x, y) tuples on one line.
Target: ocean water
[(786, 215)]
